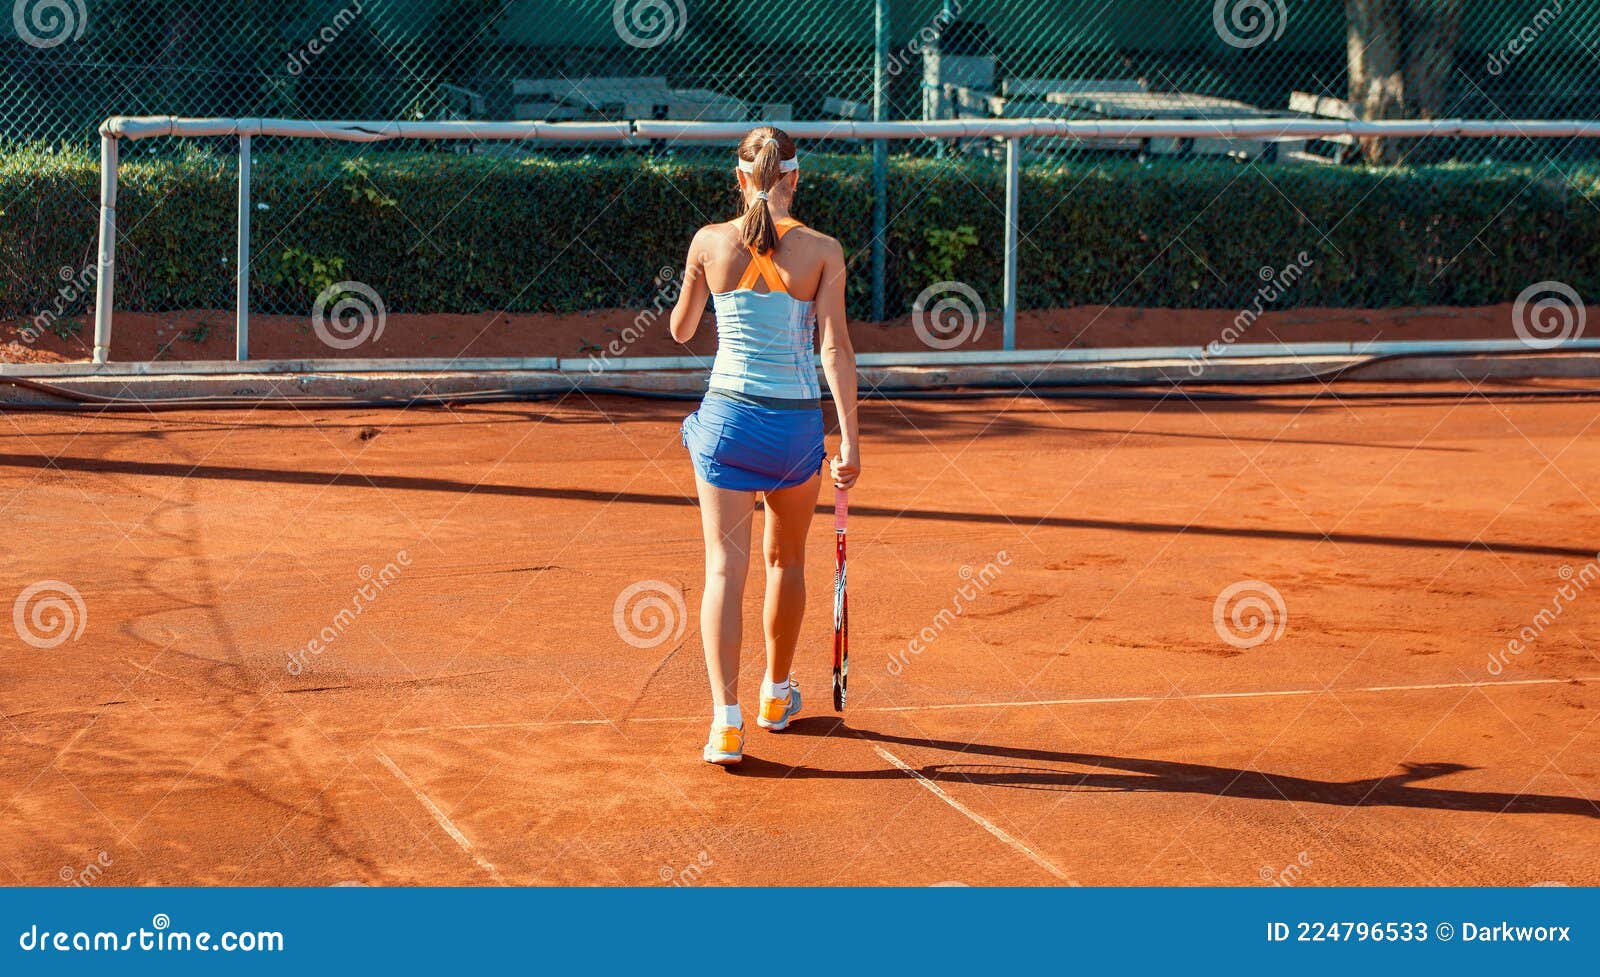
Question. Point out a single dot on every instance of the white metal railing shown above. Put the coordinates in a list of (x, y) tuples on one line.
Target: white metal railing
[(1196, 360), (1013, 131)]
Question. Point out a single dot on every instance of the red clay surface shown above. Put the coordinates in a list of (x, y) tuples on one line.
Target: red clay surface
[(209, 335), (1077, 718)]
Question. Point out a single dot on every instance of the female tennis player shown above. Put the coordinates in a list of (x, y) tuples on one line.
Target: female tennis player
[(772, 281)]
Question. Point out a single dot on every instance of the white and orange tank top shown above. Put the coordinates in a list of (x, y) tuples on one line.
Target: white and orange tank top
[(766, 341)]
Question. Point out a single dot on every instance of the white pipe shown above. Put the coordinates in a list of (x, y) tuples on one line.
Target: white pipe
[(1185, 354), (1013, 199), (1287, 128), (615, 364), (241, 340), (144, 127), (105, 284), (441, 366), (573, 366)]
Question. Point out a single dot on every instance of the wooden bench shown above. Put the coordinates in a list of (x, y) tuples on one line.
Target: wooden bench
[(1029, 98), (461, 103), (627, 99), (1040, 88), (844, 108), (1133, 105), (1329, 149)]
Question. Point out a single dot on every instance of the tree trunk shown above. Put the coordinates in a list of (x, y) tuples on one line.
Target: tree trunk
[(1377, 83), (1433, 31), (1400, 53)]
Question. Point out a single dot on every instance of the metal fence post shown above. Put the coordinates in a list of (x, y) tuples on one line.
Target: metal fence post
[(880, 164), (242, 325), (1013, 194), (105, 285)]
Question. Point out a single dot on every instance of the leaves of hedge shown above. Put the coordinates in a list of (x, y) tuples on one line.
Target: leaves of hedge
[(441, 232)]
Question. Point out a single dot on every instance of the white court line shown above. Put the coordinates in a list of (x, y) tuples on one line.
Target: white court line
[(1235, 695), (1027, 703), (440, 817), (977, 818)]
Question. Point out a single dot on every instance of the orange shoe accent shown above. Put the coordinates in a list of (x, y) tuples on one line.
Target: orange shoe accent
[(775, 714), (725, 747), (774, 710), (729, 739)]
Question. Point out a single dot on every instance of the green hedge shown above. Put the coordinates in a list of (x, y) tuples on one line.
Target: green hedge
[(439, 232)]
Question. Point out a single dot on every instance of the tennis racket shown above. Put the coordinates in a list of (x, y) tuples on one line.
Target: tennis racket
[(841, 603)]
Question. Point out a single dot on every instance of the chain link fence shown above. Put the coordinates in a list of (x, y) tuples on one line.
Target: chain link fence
[(68, 64), (1126, 223)]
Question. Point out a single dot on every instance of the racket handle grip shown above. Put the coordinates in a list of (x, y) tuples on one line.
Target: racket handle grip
[(841, 509)]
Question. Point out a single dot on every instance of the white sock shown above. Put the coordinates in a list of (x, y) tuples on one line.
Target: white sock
[(778, 690), (727, 716)]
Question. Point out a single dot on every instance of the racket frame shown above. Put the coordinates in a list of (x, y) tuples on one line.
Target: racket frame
[(841, 602)]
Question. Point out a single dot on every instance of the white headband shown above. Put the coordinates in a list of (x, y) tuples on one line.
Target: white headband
[(784, 165)]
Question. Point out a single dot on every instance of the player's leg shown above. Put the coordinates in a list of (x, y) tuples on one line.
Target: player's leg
[(788, 518), (725, 518)]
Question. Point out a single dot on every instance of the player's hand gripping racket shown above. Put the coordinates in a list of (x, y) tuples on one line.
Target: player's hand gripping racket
[(841, 603)]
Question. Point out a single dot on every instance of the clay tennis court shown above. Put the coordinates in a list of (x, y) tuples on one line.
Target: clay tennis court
[(1073, 713)]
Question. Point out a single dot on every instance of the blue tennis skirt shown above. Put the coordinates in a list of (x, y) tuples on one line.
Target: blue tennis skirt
[(747, 448)]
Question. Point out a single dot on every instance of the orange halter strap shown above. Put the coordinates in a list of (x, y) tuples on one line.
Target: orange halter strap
[(761, 266)]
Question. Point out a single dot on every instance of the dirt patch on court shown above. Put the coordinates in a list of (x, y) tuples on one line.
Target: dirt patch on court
[(209, 335)]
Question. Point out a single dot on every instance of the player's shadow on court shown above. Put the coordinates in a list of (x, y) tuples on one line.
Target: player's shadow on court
[(1110, 773)]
